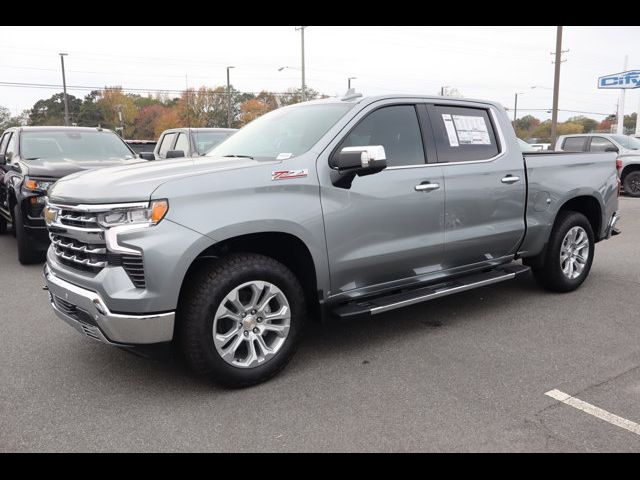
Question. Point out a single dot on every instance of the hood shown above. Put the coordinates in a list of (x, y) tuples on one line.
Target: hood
[(132, 183), (61, 167)]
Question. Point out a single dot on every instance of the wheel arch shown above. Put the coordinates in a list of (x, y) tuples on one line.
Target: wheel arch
[(284, 247)]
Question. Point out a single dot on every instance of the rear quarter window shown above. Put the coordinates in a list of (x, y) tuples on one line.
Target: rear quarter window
[(463, 134)]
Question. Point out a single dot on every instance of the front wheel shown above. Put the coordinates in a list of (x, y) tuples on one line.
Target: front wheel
[(569, 253), (240, 319), (631, 184)]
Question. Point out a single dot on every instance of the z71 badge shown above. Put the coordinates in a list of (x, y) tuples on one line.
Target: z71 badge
[(289, 174)]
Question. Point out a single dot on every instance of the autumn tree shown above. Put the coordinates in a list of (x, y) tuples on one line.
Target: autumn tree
[(251, 109), (524, 126), (294, 95), (170, 118), (588, 124), (112, 103), (543, 131), (147, 121)]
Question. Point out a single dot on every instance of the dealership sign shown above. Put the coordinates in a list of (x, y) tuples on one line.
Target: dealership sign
[(630, 79)]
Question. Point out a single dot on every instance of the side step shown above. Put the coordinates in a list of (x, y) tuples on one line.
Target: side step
[(376, 305)]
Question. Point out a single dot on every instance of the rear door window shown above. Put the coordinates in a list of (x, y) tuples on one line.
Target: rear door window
[(600, 144), (463, 134), (167, 143), (4, 141), (575, 144)]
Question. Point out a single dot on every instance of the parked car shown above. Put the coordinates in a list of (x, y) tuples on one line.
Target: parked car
[(32, 159), (139, 146), (541, 146), (334, 207), (627, 146), (188, 142)]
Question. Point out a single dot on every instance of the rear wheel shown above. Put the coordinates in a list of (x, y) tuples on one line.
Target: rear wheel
[(27, 254), (631, 184), (240, 320), (569, 254)]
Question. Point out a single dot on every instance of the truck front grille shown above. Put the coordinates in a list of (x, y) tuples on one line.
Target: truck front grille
[(77, 254), (78, 219)]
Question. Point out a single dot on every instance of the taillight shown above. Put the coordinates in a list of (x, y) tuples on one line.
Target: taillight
[(619, 165)]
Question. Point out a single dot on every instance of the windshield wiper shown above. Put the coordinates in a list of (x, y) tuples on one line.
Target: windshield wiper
[(239, 156)]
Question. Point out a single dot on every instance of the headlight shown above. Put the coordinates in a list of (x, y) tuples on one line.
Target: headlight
[(50, 214), (150, 215), (37, 185)]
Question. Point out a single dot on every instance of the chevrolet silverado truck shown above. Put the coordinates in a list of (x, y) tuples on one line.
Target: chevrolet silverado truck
[(31, 160), (344, 207)]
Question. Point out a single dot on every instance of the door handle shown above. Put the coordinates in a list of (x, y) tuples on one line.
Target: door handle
[(427, 187), (509, 179)]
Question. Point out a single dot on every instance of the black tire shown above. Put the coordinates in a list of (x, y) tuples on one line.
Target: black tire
[(203, 293), (631, 184), (27, 254), (549, 274)]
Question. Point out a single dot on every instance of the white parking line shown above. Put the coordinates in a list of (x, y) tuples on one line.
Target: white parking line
[(595, 411)]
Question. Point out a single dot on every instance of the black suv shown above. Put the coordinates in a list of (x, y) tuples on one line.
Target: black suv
[(32, 159)]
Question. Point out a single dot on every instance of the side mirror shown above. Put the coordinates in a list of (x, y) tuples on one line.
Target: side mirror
[(175, 154), (147, 155), (611, 149), (3, 159), (352, 161)]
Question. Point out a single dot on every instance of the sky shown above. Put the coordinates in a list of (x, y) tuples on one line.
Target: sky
[(490, 63)]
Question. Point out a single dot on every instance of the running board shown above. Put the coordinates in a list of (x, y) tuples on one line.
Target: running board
[(376, 305)]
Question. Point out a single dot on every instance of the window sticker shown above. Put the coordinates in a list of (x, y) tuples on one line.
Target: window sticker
[(471, 130), (451, 130)]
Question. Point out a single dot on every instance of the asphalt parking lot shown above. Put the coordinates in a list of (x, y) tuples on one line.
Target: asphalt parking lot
[(463, 373)]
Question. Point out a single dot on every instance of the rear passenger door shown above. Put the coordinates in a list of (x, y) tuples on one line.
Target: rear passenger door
[(485, 185)]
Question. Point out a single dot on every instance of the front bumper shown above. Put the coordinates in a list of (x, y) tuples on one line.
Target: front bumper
[(85, 311)]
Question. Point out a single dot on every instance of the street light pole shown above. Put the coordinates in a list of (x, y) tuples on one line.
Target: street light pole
[(304, 93), (64, 87), (349, 82), (228, 99)]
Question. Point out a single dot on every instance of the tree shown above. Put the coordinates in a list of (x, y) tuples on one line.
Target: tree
[(170, 118), (524, 126), (543, 131), (147, 121), (7, 121), (117, 110), (252, 109), (51, 111), (90, 114), (294, 95), (630, 121), (588, 124)]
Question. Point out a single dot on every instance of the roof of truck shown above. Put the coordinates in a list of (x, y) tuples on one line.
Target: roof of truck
[(375, 98)]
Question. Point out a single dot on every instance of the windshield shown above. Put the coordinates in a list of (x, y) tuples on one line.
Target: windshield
[(627, 142), (74, 145), (205, 141), (283, 133)]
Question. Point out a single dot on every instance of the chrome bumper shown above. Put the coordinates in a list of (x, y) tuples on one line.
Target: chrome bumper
[(85, 311), (611, 228)]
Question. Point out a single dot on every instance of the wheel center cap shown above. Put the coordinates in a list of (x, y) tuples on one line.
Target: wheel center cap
[(249, 322)]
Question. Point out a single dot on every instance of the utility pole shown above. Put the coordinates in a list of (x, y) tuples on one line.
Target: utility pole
[(304, 92), (515, 108), (556, 86), (620, 128), (349, 82), (64, 87), (229, 99)]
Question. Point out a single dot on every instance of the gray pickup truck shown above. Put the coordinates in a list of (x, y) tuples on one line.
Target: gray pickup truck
[(340, 207)]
